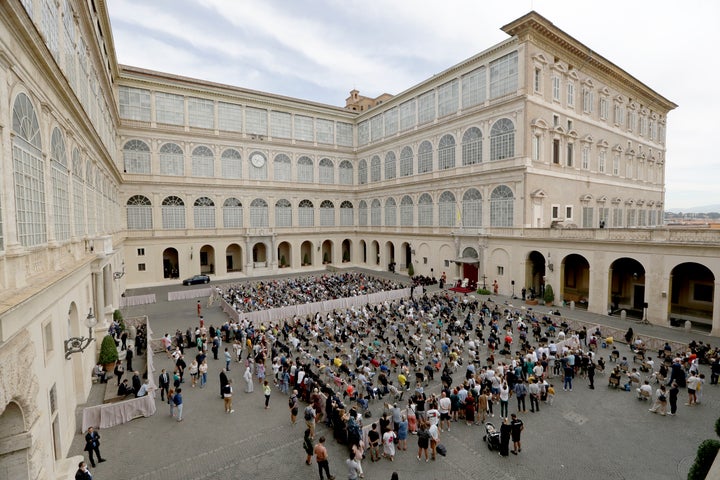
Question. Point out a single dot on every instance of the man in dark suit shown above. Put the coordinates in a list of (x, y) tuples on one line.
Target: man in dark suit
[(164, 383), (82, 473), (92, 444), (136, 382)]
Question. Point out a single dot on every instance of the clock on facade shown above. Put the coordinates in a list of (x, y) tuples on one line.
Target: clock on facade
[(257, 160)]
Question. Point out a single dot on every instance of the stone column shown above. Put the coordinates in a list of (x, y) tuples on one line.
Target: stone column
[(716, 310)]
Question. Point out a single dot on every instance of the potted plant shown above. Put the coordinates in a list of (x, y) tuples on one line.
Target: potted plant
[(118, 317), (549, 296), (326, 258), (306, 259), (283, 263), (108, 353), (346, 257), (411, 270), (483, 291)]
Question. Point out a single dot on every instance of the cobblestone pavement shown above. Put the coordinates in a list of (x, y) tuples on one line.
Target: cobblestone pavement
[(586, 434)]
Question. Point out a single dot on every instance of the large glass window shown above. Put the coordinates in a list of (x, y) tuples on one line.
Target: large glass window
[(363, 133), (258, 172), (326, 169), (204, 213), (256, 121), (231, 163), (136, 157), (504, 75), (375, 213), (173, 213), (60, 185), (78, 197), (139, 213), (446, 152), (406, 211), (258, 213), (474, 87), (390, 166), (501, 207), (283, 213), (362, 214), (203, 162), (391, 121), (407, 115), (425, 210), (346, 214), (28, 173), (49, 26), (472, 146), (172, 160), (201, 113), (327, 214), (306, 213), (280, 124), (229, 117), (587, 217), (169, 108), (376, 128), (324, 131), (425, 157), (426, 107), (502, 140), (305, 170), (375, 169), (390, 212), (448, 98), (447, 210), (134, 104), (362, 172), (282, 167), (346, 172), (472, 209), (344, 134), (304, 129), (232, 213), (406, 162)]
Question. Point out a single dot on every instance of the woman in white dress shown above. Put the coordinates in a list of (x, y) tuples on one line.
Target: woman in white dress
[(248, 377), (389, 445)]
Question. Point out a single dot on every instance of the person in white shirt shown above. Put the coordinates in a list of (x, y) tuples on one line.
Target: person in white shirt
[(645, 391), (444, 408), (433, 415)]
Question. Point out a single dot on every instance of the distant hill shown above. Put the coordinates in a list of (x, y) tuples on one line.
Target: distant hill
[(703, 209)]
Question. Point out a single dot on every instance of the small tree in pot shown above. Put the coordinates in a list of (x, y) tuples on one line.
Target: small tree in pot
[(108, 353), (549, 296)]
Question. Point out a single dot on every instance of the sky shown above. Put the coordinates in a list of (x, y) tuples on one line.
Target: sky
[(319, 50)]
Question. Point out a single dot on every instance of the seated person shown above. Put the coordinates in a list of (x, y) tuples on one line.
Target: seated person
[(614, 355), (614, 380), (645, 391), (633, 378), (99, 372), (125, 389), (648, 365), (624, 364), (143, 389), (600, 364)]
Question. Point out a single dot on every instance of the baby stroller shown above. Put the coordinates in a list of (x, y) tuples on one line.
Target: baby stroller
[(492, 437)]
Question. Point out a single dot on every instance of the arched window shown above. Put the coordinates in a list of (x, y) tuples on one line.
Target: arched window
[(282, 168), (406, 162), (406, 211), (362, 172), (425, 157), (306, 213), (472, 146), (375, 169), (472, 208), (327, 214), (501, 207), (283, 213), (390, 166), (425, 210), (90, 196), (326, 171), (173, 213), (258, 166), (375, 213), (172, 160), (305, 171), (447, 211), (139, 213), (231, 163), (346, 173), (346, 214), (28, 168), (258, 213), (60, 185), (203, 162), (136, 157), (502, 139), (362, 214), (78, 196), (446, 152), (390, 212), (204, 213), (232, 213)]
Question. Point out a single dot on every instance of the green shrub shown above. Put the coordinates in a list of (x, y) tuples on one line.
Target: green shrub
[(346, 256), (306, 259), (282, 261), (108, 351), (703, 461), (411, 270), (549, 296), (118, 317), (483, 291), (326, 258), (717, 427)]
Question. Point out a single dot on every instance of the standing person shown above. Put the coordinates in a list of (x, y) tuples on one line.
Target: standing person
[(520, 390), (693, 384), (357, 452), (227, 397), (202, 373), (402, 433), (119, 371), (505, 431), (181, 366), (444, 406), (353, 467), (321, 456), (660, 405), (374, 443), (308, 447), (517, 427), (199, 309), (247, 376), (591, 374), (223, 381), (82, 473), (423, 440), (194, 370), (505, 398), (171, 395), (568, 372), (164, 383), (434, 439), (389, 444), (534, 391), (228, 359), (266, 391), (178, 401), (92, 444), (293, 406), (673, 397), (128, 360), (309, 417), (136, 382)]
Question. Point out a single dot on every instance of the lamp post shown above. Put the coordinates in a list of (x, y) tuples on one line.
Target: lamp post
[(79, 344)]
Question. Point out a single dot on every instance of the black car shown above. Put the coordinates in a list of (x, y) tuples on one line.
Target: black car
[(196, 279)]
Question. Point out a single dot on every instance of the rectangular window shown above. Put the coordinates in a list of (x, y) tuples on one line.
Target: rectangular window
[(48, 340), (256, 121), (201, 113), (474, 88), (556, 151), (617, 217), (376, 128), (556, 120), (229, 117), (280, 124), (537, 79), (504, 75), (603, 108), (604, 215), (344, 134), (304, 129), (141, 252), (631, 217), (587, 220), (426, 107), (631, 119), (601, 161), (619, 115), (500, 270), (568, 212), (141, 267), (448, 98), (324, 131), (571, 94), (570, 152), (363, 133), (586, 158), (391, 121), (616, 164), (587, 100), (556, 88), (555, 212), (169, 108), (134, 104), (536, 148), (407, 115)]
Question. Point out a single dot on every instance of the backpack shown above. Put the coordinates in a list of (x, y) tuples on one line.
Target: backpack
[(291, 402), (309, 413)]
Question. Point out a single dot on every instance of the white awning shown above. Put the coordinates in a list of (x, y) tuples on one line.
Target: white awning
[(466, 260)]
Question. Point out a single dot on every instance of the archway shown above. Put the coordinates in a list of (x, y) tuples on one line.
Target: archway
[(259, 255), (534, 275), (470, 262), (327, 252), (575, 280), (406, 256), (346, 250), (692, 289), (284, 254), (390, 255), (363, 251), (171, 267), (14, 461), (627, 287), (306, 253), (207, 259), (233, 258), (375, 252)]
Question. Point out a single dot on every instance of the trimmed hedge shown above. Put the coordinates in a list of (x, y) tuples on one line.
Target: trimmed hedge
[(703, 461)]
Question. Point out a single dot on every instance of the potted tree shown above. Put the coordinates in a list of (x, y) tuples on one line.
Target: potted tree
[(306, 259), (108, 353), (549, 296), (346, 257), (326, 258), (283, 263), (411, 270)]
